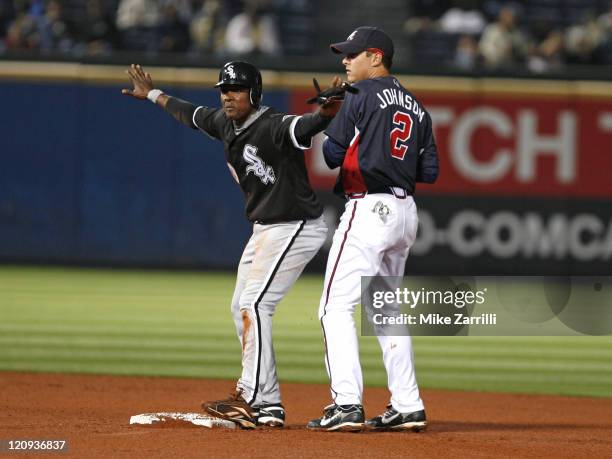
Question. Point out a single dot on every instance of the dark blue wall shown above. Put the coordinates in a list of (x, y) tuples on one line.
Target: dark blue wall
[(90, 176)]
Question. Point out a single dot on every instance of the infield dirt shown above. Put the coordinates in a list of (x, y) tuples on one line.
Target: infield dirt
[(93, 413)]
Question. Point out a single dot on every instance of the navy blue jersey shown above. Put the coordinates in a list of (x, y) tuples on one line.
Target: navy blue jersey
[(387, 137)]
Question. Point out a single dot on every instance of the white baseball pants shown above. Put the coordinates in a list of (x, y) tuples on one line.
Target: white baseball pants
[(272, 261), (373, 239)]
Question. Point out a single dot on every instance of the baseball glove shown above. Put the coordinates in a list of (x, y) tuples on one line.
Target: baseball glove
[(330, 94)]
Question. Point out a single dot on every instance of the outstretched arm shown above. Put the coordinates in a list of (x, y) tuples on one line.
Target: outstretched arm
[(310, 125), (143, 85), (145, 89)]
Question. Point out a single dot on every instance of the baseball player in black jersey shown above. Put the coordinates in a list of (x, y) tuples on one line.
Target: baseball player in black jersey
[(264, 152), (382, 141)]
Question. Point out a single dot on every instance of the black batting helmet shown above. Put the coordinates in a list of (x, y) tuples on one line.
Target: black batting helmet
[(242, 74)]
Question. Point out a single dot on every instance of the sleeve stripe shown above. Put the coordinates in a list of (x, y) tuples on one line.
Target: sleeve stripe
[(292, 134), (193, 120)]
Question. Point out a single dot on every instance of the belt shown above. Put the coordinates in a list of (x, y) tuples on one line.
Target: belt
[(399, 193)]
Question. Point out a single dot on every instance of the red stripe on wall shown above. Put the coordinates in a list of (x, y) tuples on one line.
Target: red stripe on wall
[(527, 145)]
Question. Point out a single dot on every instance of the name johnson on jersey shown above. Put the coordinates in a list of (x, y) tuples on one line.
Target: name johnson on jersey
[(392, 96), (382, 137)]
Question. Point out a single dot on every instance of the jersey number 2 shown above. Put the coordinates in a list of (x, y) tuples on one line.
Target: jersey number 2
[(400, 134)]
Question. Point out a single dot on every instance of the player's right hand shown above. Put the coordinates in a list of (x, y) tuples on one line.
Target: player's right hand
[(334, 92), (331, 99), (141, 80)]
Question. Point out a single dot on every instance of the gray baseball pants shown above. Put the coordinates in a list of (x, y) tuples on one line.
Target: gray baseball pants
[(272, 260)]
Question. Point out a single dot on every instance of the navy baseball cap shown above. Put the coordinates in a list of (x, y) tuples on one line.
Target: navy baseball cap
[(363, 38)]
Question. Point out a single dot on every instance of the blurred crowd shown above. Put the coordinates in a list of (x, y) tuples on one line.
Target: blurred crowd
[(542, 35), (95, 27)]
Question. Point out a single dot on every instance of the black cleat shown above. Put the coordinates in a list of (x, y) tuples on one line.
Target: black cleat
[(270, 415), (394, 420), (339, 418)]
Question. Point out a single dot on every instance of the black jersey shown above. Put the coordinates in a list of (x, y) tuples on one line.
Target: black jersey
[(267, 161)]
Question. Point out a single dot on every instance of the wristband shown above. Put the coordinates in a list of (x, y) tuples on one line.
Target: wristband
[(153, 95)]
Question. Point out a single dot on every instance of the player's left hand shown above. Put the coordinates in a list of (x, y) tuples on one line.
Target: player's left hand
[(141, 80), (331, 98)]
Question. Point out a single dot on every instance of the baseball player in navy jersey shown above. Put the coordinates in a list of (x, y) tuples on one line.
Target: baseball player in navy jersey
[(264, 150), (382, 142)]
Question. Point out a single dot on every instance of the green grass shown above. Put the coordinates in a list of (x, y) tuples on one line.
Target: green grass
[(179, 324)]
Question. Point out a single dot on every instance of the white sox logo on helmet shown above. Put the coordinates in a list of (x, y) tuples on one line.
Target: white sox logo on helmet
[(257, 166), (351, 36), (231, 72)]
